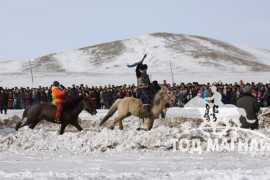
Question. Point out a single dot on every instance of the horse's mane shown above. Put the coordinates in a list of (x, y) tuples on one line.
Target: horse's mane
[(71, 102), (159, 96)]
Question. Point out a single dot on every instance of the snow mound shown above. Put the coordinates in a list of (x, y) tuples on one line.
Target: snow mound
[(180, 123)]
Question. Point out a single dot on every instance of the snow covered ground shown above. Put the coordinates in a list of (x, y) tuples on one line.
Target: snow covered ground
[(157, 165), (100, 153)]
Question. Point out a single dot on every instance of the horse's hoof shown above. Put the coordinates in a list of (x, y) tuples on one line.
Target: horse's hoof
[(111, 128), (121, 128), (138, 129)]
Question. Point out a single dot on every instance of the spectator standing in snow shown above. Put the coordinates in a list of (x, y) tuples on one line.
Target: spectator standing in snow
[(248, 102)]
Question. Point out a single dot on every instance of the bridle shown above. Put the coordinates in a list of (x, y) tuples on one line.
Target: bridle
[(169, 97)]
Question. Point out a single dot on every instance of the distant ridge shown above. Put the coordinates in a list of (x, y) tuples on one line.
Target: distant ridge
[(192, 57)]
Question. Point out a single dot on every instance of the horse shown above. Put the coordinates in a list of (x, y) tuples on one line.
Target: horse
[(71, 110), (133, 106)]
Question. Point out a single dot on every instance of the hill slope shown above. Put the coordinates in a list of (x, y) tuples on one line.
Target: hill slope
[(188, 55)]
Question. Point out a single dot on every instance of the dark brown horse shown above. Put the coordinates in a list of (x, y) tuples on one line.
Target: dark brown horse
[(71, 110)]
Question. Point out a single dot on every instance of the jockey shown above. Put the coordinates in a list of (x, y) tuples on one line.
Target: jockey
[(144, 86), (58, 98), (143, 83), (144, 89)]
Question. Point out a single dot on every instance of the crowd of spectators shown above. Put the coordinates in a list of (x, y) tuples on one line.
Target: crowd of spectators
[(104, 96)]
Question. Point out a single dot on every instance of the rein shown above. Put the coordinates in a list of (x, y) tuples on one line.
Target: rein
[(169, 96)]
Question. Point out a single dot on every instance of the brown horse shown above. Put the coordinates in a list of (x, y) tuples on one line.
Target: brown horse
[(71, 110), (133, 106)]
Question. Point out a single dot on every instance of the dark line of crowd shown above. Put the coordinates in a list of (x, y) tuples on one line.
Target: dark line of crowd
[(20, 98)]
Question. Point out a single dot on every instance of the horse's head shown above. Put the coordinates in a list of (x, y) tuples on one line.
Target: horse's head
[(89, 106), (169, 96)]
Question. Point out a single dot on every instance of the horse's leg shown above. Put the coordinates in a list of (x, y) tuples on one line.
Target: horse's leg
[(24, 116), (33, 124), (150, 123), (76, 124), (28, 121), (162, 115), (62, 129), (117, 119), (19, 125), (163, 112), (121, 125)]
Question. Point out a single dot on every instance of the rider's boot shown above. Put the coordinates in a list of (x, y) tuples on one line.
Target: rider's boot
[(148, 112)]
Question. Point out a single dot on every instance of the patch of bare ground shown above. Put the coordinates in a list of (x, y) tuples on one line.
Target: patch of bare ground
[(104, 52), (44, 64)]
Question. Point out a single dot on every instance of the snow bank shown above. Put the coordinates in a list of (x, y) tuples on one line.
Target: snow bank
[(101, 153), (45, 138)]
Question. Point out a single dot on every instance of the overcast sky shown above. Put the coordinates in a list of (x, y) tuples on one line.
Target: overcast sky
[(33, 28)]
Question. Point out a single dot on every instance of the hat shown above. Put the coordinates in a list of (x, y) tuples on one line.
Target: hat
[(144, 66), (247, 89), (56, 83)]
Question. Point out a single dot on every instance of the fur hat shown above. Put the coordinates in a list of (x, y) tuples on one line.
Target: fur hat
[(247, 89)]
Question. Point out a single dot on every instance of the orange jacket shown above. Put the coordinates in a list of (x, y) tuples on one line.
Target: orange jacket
[(57, 95)]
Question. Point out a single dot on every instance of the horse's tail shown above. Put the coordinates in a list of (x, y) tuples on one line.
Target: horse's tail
[(112, 110), (23, 116)]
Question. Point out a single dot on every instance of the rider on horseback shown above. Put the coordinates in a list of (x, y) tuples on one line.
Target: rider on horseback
[(58, 97), (144, 85), (144, 89)]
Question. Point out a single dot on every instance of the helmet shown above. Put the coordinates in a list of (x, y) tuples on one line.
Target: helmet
[(56, 83)]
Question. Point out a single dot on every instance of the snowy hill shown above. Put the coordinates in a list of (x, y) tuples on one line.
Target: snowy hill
[(193, 58)]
